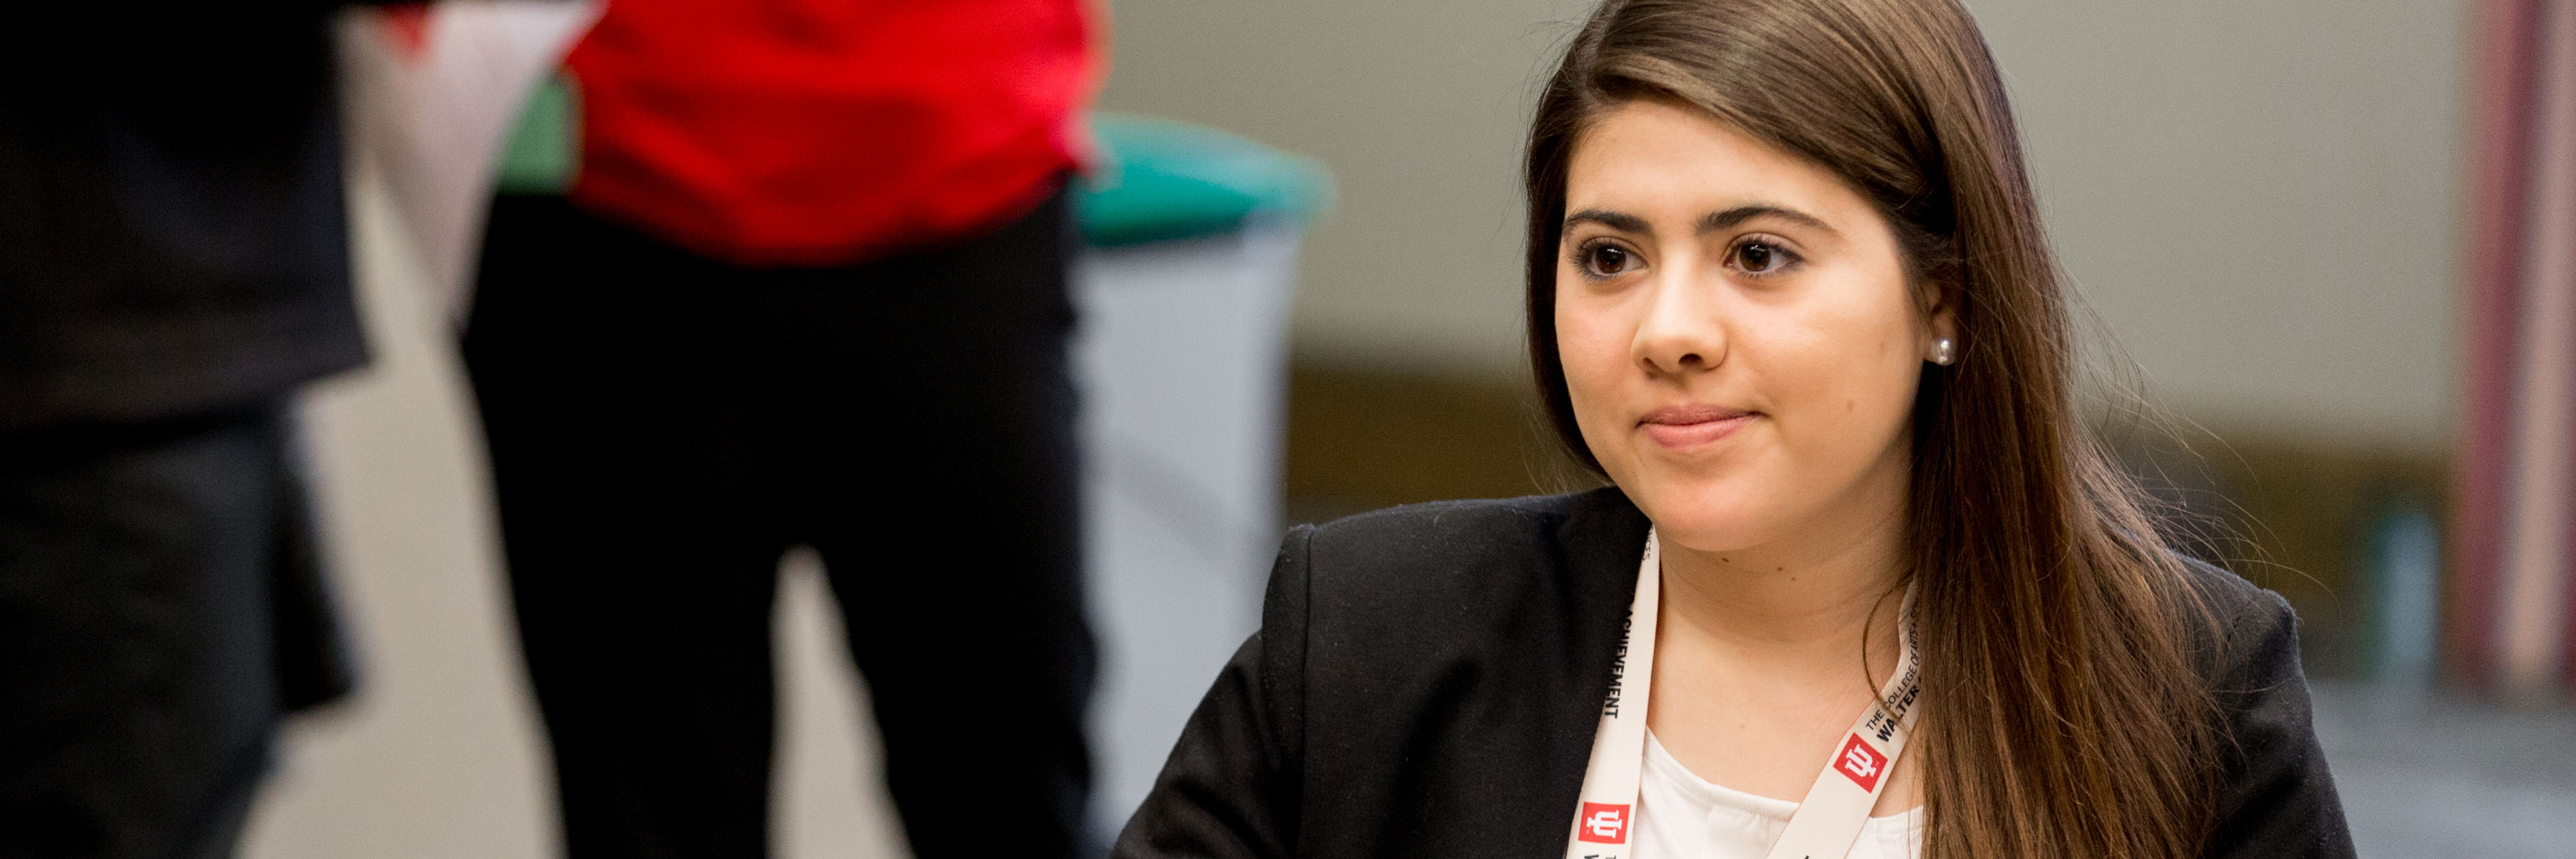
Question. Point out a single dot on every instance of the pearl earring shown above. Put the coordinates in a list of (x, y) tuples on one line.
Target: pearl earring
[(1944, 351)]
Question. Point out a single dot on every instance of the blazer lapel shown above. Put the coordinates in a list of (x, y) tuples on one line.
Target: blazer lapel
[(1600, 541)]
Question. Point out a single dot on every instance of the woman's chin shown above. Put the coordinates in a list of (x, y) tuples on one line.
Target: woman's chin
[(1701, 523)]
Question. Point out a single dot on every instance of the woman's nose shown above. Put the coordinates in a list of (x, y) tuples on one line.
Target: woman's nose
[(1680, 331)]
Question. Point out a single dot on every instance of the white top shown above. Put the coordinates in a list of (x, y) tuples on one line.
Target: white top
[(1680, 815)]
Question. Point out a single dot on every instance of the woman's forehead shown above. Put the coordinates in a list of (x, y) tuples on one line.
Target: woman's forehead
[(1658, 160)]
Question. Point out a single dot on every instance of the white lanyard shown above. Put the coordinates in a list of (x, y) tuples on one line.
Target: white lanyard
[(1824, 826)]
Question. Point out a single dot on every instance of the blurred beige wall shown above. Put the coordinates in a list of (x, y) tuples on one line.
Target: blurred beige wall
[(2258, 196)]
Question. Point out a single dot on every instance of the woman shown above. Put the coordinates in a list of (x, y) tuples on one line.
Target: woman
[(1862, 586)]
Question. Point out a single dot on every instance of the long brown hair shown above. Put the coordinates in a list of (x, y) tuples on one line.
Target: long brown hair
[(2064, 711)]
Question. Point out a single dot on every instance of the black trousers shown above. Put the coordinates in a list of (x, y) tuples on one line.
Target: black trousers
[(663, 426), (160, 609)]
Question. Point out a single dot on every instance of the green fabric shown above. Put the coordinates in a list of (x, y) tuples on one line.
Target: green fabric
[(544, 152), (1173, 180)]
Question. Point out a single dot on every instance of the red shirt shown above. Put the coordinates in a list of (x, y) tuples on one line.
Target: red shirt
[(822, 132)]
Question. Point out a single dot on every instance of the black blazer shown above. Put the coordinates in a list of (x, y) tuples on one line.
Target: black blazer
[(1427, 679)]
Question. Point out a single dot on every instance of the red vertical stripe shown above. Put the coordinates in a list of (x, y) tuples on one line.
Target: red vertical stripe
[(2555, 214), (2505, 56)]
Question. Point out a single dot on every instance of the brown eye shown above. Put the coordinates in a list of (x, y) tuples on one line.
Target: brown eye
[(1602, 259), (1759, 257)]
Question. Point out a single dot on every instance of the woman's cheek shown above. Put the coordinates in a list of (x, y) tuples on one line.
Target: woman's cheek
[(1589, 384), (1598, 372)]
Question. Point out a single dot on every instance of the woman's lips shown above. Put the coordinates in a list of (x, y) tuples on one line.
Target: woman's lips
[(1680, 427)]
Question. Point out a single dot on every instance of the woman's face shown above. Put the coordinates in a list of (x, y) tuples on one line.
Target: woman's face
[(1739, 335)]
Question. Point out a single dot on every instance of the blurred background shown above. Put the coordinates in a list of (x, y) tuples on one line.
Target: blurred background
[(2316, 236)]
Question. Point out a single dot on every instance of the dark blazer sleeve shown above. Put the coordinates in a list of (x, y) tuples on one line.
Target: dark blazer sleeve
[(1231, 788), (2277, 799)]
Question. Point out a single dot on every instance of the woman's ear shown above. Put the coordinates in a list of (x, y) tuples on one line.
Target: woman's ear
[(1941, 324)]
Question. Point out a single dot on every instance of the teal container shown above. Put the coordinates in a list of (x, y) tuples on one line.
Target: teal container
[(1165, 180)]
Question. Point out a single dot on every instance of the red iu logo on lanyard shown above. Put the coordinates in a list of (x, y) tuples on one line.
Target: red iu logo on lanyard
[(1860, 763), (1603, 823)]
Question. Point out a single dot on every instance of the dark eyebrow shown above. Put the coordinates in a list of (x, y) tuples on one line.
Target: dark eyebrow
[(1712, 222), (1728, 219), (1620, 221)]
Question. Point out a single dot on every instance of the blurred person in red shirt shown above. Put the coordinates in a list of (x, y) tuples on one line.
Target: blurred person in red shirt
[(808, 286)]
